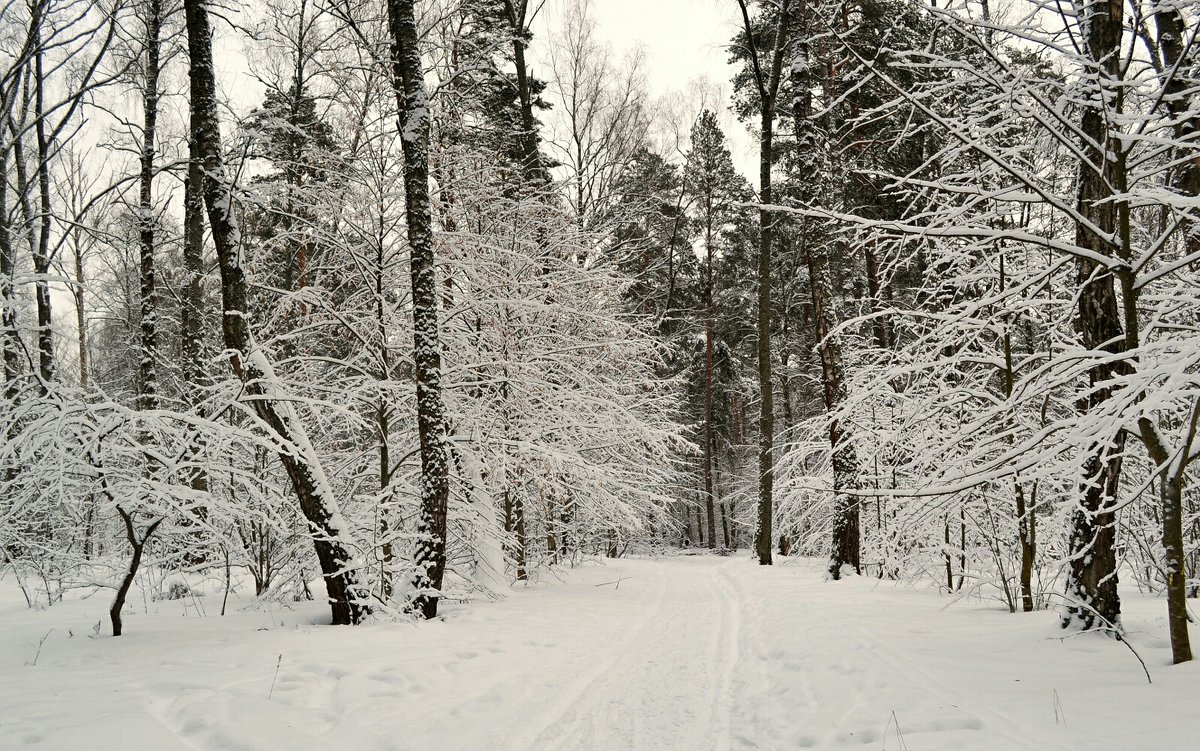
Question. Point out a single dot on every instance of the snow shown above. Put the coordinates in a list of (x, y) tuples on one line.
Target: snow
[(689, 652)]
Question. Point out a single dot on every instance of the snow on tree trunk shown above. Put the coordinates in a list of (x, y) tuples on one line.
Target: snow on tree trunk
[(149, 302), (41, 248), (1092, 595), (8, 315), (331, 536), (409, 85)]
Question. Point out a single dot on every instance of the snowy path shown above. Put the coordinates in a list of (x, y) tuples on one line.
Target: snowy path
[(688, 653)]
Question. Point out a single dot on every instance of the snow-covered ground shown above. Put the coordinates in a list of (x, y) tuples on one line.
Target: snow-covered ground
[(683, 653)]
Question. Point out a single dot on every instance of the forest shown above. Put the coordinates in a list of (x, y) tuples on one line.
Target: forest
[(407, 309)]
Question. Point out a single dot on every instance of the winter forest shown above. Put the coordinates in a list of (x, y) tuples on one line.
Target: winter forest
[(846, 396)]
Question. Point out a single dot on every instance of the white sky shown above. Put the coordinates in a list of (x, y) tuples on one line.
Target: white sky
[(684, 45)]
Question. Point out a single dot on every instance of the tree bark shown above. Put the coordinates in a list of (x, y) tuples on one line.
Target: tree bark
[(709, 344), (534, 171), (41, 249), (409, 85), (8, 314), (768, 91), (1171, 35), (149, 297), (847, 546), (330, 534), (1172, 476), (1025, 515), (1092, 594), (135, 562)]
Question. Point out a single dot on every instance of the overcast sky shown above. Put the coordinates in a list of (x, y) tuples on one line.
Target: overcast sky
[(684, 42)]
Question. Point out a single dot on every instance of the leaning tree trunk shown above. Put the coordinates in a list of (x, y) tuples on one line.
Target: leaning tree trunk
[(1172, 474), (135, 562), (409, 85), (1171, 33), (1092, 595), (330, 533)]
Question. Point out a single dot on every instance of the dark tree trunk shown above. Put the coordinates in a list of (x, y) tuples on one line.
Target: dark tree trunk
[(191, 310), (409, 85), (1092, 578), (767, 82), (846, 548), (517, 12), (1172, 475), (1172, 36), (1173, 560), (135, 562), (766, 415), (41, 249), (1026, 519), (8, 314), (149, 297), (846, 536), (880, 330), (709, 345), (330, 534)]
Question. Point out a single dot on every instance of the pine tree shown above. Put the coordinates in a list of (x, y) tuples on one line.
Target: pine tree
[(715, 190)]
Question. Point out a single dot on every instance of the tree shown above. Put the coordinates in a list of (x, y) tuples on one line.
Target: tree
[(409, 85), (328, 529), (766, 76), (715, 188)]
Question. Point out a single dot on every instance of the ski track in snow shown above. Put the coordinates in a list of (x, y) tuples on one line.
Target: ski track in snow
[(692, 652)]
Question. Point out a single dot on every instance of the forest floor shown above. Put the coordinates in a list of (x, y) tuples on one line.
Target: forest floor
[(689, 652)]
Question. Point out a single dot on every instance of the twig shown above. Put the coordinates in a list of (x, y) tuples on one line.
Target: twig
[(1108, 627), (1059, 711), (615, 581), (41, 641), (893, 720), (277, 664)]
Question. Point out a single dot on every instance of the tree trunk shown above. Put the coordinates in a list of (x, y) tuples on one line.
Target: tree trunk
[(766, 415), (191, 311), (1172, 475), (1172, 36), (330, 534), (846, 535), (409, 85), (41, 249), (1092, 576), (768, 91), (1173, 561), (149, 299), (709, 336), (10, 340), (1024, 514), (135, 562), (847, 545), (531, 164)]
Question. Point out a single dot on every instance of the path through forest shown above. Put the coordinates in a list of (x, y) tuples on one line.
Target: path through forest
[(690, 653)]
